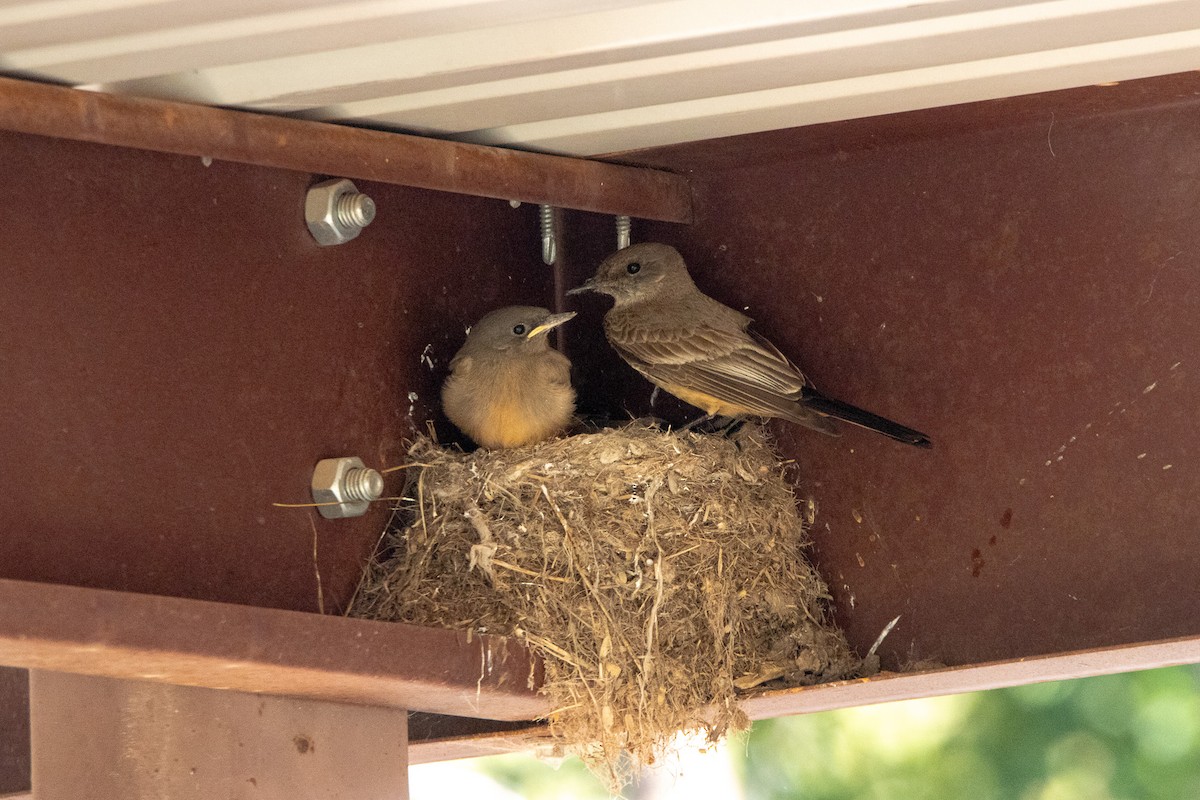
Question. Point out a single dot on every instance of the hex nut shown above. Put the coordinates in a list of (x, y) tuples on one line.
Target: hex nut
[(329, 486), (321, 212)]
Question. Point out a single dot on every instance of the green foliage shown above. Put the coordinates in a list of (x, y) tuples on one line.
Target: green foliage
[(540, 780), (1134, 736)]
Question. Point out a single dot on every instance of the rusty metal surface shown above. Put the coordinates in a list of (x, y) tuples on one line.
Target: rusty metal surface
[(1024, 289), (892, 686), (145, 741), (14, 730), (440, 738), (263, 140), (178, 354), (1020, 285), (267, 651), (449, 741)]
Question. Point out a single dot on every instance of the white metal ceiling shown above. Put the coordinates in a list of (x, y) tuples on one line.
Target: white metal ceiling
[(592, 76)]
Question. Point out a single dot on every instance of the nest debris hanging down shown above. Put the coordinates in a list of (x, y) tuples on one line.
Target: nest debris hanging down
[(658, 574)]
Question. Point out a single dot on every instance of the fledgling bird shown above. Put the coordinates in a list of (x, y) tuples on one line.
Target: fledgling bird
[(702, 352), (507, 387)]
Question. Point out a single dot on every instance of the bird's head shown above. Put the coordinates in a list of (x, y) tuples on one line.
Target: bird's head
[(640, 272), (514, 329)]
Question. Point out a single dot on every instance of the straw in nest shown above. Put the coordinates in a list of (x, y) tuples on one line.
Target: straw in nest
[(658, 574)]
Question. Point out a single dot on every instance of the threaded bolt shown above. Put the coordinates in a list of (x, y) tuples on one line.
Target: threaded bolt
[(344, 487), (336, 211), (355, 210), (546, 223), (362, 484), (624, 231)]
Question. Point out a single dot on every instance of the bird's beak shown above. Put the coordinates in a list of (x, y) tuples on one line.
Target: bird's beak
[(588, 286), (550, 323)]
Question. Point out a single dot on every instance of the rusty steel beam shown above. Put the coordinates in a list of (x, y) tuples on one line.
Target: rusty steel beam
[(146, 741), (891, 686), (267, 651), (433, 737), (449, 739), (111, 635), (14, 731), (1018, 279), (249, 138)]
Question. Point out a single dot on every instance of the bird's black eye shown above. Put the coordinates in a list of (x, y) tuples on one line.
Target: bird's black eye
[(634, 268), (519, 330)]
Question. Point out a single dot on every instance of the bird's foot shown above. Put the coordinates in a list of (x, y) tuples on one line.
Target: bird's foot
[(732, 427), (715, 425), (699, 423)]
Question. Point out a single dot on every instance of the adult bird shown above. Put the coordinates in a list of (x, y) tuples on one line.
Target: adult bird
[(703, 352), (507, 387)]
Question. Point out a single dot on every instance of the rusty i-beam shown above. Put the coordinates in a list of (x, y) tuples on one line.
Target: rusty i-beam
[(339, 150)]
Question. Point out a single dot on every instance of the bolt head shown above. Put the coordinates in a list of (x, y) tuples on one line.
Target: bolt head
[(320, 212), (327, 487)]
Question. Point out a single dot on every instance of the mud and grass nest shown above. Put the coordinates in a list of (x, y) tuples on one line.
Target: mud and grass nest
[(658, 574)]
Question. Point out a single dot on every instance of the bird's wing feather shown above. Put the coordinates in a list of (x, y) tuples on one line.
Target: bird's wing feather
[(720, 361), (679, 347), (720, 385), (461, 363), (555, 369)]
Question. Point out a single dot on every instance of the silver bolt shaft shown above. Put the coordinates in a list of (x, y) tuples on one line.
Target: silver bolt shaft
[(363, 484), (624, 231), (549, 245), (355, 209)]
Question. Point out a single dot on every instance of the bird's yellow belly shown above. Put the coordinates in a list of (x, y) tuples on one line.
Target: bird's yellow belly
[(509, 404), (512, 423), (706, 402), (515, 413)]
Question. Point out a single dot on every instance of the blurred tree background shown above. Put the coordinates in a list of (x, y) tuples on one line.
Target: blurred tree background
[(1134, 736)]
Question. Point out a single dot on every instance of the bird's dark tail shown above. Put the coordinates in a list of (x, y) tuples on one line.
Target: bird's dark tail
[(856, 416)]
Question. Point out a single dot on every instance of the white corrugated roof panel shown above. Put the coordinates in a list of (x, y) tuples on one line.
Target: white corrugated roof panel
[(592, 76)]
